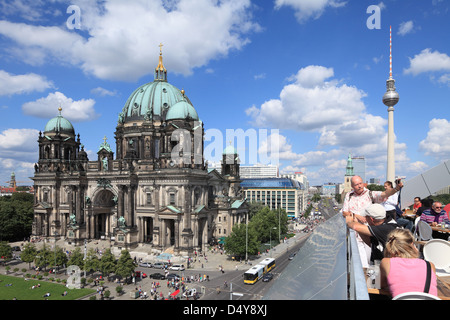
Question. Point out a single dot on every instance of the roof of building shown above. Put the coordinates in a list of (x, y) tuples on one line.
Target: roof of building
[(271, 183), (230, 150), (59, 124), (157, 99), (182, 110)]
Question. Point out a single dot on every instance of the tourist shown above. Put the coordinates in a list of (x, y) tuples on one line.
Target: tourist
[(375, 232), (401, 270), (354, 205)]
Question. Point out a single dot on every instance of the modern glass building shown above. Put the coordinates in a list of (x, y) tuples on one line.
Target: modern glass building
[(275, 193)]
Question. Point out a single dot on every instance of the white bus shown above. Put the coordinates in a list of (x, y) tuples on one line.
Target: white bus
[(254, 274), (269, 264)]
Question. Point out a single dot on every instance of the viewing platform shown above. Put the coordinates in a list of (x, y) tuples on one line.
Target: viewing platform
[(328, 267)]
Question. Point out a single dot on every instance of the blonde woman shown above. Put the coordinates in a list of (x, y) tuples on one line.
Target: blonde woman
[(401, 269)]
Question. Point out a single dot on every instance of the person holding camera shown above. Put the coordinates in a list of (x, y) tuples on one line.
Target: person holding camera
[(355, 203)]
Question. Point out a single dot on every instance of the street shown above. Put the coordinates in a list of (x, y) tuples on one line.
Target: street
[(235, 280)]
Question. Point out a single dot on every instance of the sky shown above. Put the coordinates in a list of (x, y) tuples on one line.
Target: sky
[(303, 79)]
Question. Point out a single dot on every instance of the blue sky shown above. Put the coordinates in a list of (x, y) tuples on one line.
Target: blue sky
[(309, 72)]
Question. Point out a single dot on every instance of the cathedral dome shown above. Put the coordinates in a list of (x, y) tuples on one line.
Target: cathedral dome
[(151, 101), (230, 150), (182, 110), (155, 100), (59, 124)]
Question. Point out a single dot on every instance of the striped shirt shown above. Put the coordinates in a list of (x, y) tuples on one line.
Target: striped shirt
[(430, 216)]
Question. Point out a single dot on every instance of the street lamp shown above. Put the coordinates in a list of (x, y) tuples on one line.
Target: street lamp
[(246, 237), (270, 243)]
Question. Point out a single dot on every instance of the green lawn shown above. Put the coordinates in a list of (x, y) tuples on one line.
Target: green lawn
[(21, 290)]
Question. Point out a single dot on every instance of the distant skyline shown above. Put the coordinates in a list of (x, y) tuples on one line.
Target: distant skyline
[(306, 76)]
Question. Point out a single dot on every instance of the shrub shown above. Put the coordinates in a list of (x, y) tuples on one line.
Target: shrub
[(119, 290)]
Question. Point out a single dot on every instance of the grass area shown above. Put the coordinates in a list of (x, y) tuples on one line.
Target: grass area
[(21, 290)]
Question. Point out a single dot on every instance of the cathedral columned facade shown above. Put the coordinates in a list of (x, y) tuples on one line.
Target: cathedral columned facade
[(155, 189)]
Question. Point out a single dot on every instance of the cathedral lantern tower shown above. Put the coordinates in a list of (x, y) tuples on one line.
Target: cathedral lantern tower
[(58, 146)]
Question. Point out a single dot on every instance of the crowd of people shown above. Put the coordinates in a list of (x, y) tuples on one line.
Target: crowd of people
[(310, 223), (385, 235)]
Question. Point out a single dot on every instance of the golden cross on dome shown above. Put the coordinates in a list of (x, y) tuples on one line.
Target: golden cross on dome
[(160, 48), (104, 140)]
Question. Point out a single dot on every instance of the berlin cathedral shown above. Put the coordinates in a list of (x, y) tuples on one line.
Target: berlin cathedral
[(156, 191)]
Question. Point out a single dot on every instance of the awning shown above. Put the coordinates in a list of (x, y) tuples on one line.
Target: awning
[(175, 293)]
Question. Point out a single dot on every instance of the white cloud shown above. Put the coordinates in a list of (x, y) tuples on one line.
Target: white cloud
[(365, 130), (437, 142), (25, 83), (307, 9), (18, 153), (73, 110), (18, 139), (103, 92), (192, 32), (310, 103), (405, 28), (428, 61), (317, 103)]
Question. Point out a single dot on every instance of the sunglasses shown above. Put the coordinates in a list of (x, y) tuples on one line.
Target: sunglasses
[(438, 207)]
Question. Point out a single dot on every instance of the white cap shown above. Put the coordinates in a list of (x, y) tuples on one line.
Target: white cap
[(376, 211)]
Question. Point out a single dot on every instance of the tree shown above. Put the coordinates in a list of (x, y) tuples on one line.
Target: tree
[(92, 262), (76, 259), (5, 250), (235, 243), (16, 216), (43, 257), (59, 257), (375, 187), (316, 197), (254, 208), (107, 263), (28, 254), (125, 265), (266, 220)]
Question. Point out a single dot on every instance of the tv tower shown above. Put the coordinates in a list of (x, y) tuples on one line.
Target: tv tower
[(390, 99)]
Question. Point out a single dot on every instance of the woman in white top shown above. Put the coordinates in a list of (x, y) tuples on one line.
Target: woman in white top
[(391, 202)]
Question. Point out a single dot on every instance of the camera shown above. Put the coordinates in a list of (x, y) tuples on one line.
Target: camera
[(397, 181)]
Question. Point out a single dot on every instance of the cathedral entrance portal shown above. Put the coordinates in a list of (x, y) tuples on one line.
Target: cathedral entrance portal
[(170, 232), (103, 209)]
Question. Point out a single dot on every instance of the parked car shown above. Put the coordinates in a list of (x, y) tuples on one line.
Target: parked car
[(145, 264), (157, 275), (140, 274), (160, 265), (177, 267), (267, 277), (173, 276), (291, 256)]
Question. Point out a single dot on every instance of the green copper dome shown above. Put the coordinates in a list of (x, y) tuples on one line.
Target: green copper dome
[(151, 101), (182, 110), (230, 150), (59, 124), (154, 100)]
